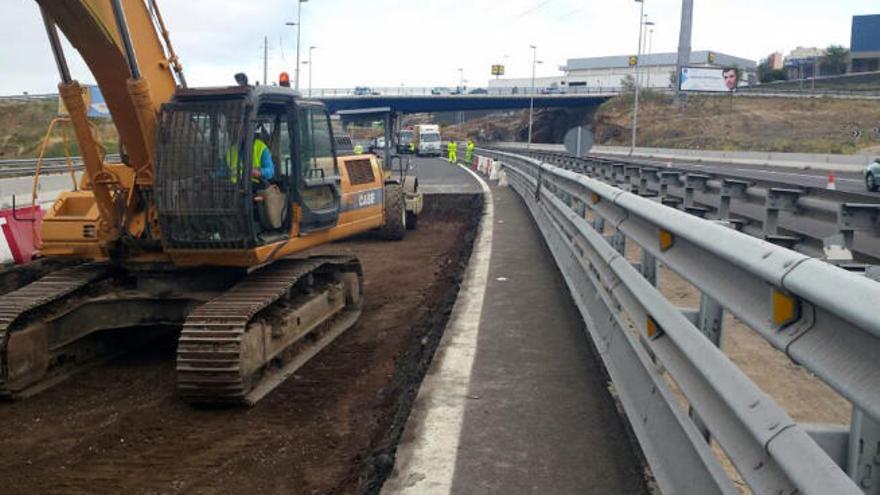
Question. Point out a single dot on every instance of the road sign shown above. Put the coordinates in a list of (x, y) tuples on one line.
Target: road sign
[(497, 70), (633, 60)]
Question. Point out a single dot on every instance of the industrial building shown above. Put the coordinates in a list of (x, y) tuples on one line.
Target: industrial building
[(865, 46), (657, 71)]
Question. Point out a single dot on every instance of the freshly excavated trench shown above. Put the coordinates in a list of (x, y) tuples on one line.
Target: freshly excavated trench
[(332, 428)]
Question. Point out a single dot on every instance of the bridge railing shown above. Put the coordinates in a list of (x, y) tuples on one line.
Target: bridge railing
[(477, 92), (676, 387)]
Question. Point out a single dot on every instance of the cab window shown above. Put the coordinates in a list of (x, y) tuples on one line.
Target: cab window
[(316, 148)]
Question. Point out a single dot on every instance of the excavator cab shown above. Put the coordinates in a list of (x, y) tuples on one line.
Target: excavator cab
[(213, 193)]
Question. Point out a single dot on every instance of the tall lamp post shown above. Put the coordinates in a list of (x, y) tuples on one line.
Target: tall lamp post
[(650, 49), (298, 25), (311, 68), (635, 120), (650, 42), (532, 93), (461, 92)]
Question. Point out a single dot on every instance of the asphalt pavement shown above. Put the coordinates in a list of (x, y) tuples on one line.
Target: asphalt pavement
[(438, 176), (515, 400)]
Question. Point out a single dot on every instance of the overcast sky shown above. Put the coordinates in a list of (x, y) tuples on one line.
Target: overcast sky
[(382, 43)]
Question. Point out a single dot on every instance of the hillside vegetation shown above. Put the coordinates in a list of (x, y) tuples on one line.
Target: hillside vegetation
[(23, 125), (806, 125)]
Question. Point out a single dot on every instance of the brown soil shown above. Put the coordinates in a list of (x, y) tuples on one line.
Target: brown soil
[(332, 428), (23, 125), (809, 125)]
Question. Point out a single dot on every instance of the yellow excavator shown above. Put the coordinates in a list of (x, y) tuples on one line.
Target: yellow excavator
[(189, 230)]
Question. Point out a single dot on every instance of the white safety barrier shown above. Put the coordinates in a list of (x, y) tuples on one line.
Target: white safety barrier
[(823, 317)]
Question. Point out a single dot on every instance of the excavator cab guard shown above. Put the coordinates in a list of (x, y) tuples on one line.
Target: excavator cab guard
[(208, 194)]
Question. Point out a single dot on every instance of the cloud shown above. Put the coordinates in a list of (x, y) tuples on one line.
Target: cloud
[(383, 43)]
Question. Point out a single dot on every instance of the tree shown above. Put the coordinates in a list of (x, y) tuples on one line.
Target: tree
[(628, 84), (766, 74), (836, 59)]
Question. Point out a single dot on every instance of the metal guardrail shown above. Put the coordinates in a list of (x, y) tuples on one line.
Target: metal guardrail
[(817, 222), (822, 317), (26, 167), (23, 97)]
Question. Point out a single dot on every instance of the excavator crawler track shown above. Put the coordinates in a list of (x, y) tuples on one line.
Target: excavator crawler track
[(237, 347), (17, 305)]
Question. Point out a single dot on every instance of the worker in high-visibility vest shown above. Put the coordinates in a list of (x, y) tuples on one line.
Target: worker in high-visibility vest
[(358, 150), (453, 147), (263, 168), (470, 151)]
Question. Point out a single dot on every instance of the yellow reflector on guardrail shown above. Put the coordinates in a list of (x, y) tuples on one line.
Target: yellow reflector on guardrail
[(667, 239), (653, 329), (786, 308)]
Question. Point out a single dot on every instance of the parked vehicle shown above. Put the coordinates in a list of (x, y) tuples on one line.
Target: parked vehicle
[(872, 176), (440, 91), (427, 139), (478, 91)]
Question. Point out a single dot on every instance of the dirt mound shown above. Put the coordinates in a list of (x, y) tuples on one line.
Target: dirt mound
[(803, 125), (23, 125)]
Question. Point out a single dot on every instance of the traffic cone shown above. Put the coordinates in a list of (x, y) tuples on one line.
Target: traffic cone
[(832, 182)]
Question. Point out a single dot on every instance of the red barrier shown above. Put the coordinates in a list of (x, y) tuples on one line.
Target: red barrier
[(22, 234)]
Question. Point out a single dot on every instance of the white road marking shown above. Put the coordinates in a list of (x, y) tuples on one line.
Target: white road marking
[(428, 450)]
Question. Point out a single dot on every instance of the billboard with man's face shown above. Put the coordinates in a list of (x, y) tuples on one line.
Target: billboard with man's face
[(708, 79)]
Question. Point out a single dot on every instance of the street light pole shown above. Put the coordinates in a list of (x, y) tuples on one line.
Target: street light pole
[(461, 92), (635, 120), (311, 68), (532, 94), (650, 49), (299, 12)]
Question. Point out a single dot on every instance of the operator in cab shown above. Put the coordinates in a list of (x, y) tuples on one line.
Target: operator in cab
[(264, 166)]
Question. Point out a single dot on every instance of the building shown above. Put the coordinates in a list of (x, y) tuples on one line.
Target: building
[(524, 84), (658, 69), (865, 45), (804, 62), (776, 61)]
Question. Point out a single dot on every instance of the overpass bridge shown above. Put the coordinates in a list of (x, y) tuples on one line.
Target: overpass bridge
[(427, 103)]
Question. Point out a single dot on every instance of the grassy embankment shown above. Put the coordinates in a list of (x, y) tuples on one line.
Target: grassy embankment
[(23, 125)]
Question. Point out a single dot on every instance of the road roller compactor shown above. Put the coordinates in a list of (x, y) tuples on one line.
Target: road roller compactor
[(190, 229)]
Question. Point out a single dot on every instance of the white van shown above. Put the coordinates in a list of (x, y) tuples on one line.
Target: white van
[(427, 139)]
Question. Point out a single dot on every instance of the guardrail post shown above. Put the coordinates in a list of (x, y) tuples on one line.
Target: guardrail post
[(607, 171), (618, 173), (779, 199), (631, 175), (730, 189), (693, 183), (857, 217), (618, 242), (647, 176), (710, 321), (863, 457), (668, 178), (648, 267)]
